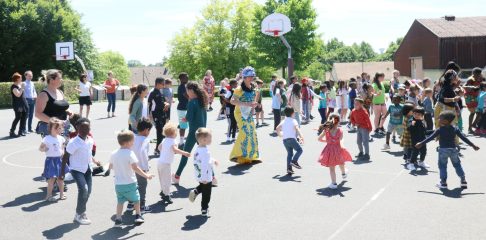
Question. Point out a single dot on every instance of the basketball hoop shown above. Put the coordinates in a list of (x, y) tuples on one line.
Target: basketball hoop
[(64, 56), (275, 32)]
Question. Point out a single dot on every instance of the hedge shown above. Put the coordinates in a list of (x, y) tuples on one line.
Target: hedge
[(68, 87)]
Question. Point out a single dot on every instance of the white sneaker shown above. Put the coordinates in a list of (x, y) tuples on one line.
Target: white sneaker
[(332, 186), (175, 180), (228, 139), (423, 164), (233, 139), (411, 167), (192, 195), (82, 219), (386, 147)]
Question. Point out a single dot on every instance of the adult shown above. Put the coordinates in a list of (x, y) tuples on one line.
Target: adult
[(135, 107), (51, 102), (157, 106), (111, 85), (394, 82), (379, 106), (30, 95), (245, 149), (209, 84), (272, 84), (277, 103), (85, 93), (19, 105), (447, 98), (472, 92), (293, 80)]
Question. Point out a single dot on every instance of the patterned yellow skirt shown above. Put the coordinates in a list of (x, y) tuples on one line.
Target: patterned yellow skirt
[(245, 149)]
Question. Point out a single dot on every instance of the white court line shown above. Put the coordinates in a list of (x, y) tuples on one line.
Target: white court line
[(368, 203), (4, 159)]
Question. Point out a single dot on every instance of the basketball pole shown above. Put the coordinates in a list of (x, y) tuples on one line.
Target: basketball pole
[(290, 61)]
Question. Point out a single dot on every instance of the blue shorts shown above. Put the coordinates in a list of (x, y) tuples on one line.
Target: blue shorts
[(127, 192), (182, 114)]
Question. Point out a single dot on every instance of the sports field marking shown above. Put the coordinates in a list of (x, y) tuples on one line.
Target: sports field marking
[(5, 157)]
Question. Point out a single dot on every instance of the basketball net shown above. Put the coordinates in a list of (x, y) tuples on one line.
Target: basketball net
[(275, 32)]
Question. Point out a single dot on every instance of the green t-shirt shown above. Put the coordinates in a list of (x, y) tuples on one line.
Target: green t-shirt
[(379, 99)]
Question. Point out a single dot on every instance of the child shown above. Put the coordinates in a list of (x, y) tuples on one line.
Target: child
[(182, 107), (222, 92), (157, 105), (429, 109), (396, 120), (323, 103), (331, 98), (168, 149), (413, 94), (448, 148), (406, 141), (342, 99), (295, 101), (52, 145), (480, 121), (79, 156), (402, 93), (141, 147), (124, 162), (361, 119), (259, 109), (203, 169), (230, 112), (418, 129), (459, 92), (367, 96), (333, 154), (277, 102), (169, 97), (290, 129)]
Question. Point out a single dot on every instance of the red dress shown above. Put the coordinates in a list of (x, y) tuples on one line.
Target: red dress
[(333, 154)]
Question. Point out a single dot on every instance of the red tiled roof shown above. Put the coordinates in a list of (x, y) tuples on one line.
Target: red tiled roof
[(460, 27)]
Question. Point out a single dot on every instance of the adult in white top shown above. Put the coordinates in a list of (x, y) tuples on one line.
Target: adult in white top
[(121, 161), (30, 95), (85, 94)]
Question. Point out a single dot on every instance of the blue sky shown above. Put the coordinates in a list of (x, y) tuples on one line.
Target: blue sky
[(141, 29)]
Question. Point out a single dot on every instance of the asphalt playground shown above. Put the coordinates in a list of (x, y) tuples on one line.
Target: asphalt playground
[(379, 200)]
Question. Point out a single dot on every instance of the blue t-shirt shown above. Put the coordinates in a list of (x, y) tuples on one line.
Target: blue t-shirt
[(396, 116), (323, 102)]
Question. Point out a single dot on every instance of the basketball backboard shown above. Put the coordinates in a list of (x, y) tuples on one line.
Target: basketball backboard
[(64, 51), (276, 25)]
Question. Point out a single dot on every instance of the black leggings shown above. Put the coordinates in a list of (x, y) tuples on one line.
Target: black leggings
[(231, 124), (19, 116), (322, 112), (205, 189), (276, 118), (159, 126)]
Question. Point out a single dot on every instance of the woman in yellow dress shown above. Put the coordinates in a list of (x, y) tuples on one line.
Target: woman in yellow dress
[(245, 149)]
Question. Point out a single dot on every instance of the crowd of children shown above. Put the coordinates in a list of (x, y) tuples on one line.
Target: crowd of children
[(411, 119)]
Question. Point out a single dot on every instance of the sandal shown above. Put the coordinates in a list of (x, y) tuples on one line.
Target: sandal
[(63, 197)]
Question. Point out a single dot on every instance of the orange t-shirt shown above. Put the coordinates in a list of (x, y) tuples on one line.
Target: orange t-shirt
[(111, 85)]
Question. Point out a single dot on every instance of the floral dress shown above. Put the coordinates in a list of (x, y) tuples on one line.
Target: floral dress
[(245, 149), (334, 154)]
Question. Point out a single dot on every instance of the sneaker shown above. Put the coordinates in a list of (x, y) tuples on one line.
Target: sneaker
[(290, 171), (156, 152), (204, 212), (463, 184), (386, 147), (345, 174), (107, 173), (139, 219), (333, 186), (394, 139), (192, 195), (423, 164), (233, 139), (82, 219), (118, 222), (145, 209), (108, 115), (441, 185), (214, 182), (175, 179), (130, 207), (366, 157), (411, 167), (360, 155), (228, 139), (167, 199), (295, 164)]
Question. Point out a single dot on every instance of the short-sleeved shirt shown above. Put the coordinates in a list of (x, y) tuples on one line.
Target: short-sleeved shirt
[(288, 128), (471, 94), (275, 100), (167, 92), (80, 153), (323, 101), (379, 99), (181, 96), (111, 85), (122, 160), (167, 154), (447, 92), (203, 165), (396, 116), (54, 145), (84, 87), (140, 147)]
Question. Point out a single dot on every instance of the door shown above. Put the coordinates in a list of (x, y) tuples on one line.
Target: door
[(417, 68)]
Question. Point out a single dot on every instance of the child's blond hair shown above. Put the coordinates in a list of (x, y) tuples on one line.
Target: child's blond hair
[(169, 130), (53, 123), (125, 136), (202, 133)]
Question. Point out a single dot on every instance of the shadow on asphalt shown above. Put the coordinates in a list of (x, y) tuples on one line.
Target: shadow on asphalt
[(59, 231), (420, 172), (395, 154), (26, 199), (287, 178), (333, 192), (238, 170), (116, 233), (452, 193), (159, 207), (6, 138), (181, 192), (360, 161), (194, 222)]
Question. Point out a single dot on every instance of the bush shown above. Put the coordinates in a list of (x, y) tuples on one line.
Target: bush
[(68, 87)]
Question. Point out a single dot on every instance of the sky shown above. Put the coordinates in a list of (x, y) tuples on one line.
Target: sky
[(141, 29)]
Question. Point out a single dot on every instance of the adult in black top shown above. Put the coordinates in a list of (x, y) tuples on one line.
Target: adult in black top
[(182, 105), (51, 102), (157, 108), (19, 105), (447, 98)]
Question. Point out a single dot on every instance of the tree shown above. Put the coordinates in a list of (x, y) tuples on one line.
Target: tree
[(390, 51), (183, 53), (134, 63), (29, 31), (115, 62)]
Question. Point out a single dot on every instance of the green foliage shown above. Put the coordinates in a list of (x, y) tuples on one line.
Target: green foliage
[(134, 63), (315, 70), (29, 31), (390, 51), (115, 62)]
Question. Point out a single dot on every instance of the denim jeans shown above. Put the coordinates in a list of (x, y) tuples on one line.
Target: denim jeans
[(363, 140), (297, 118), (306, 104), (83, 181), (291, 144), (111, 102), (444, 155), (30, 113)]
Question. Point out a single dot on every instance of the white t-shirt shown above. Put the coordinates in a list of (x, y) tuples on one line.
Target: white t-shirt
[(203, 169), (54, 145), (122, 160), (84, 87), (288, 127), (167, 153), (80, 153), (272, 85), (141, 148)]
